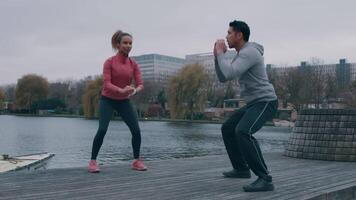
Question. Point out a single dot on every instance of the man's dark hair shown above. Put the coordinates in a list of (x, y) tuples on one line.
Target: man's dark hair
[(240, 26)]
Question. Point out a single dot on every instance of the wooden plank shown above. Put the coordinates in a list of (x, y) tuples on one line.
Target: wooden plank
[(192, 178)]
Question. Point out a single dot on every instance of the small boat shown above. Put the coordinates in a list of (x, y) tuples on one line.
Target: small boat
[(24, 162)]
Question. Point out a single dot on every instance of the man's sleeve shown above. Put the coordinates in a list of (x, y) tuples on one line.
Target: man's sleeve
[(245, 60), (219, 73)]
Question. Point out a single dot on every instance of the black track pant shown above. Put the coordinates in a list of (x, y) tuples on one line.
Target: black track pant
[(243, 149)]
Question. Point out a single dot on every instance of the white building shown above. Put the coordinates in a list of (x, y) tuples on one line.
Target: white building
[(207, 60), (158, 68)]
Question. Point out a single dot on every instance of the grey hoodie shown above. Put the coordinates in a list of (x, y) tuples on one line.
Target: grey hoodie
[(249, 69)]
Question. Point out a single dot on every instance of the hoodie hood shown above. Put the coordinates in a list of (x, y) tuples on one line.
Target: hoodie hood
[(249, 69), (256, 46)]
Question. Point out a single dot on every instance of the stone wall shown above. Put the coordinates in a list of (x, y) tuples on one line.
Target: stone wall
[(324, 134)]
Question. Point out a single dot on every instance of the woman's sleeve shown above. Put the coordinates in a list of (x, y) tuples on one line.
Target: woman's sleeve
[(107, 77)]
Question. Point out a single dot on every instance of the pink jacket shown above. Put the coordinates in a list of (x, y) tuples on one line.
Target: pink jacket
[(119, 71)]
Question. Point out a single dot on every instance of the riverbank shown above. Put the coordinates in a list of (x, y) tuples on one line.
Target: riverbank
[(189, 178)]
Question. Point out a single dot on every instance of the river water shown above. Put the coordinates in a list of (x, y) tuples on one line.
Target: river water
[(71, 139)]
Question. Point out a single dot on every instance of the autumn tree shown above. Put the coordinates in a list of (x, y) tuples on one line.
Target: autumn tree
[(188, 91), (31, 88), (2, 98), (91, 97)]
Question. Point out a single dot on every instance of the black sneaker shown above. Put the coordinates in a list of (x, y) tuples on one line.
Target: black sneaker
[(259, 185), (237, 174)]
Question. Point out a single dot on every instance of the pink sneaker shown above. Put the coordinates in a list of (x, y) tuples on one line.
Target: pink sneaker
[(138, 165), (93, 167)]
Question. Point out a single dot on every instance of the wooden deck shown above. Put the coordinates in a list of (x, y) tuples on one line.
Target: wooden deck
[(192, 178)]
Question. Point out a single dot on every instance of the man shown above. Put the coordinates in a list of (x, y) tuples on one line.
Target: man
[(249, 69)]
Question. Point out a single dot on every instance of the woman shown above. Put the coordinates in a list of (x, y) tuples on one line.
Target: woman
[(119, 70)]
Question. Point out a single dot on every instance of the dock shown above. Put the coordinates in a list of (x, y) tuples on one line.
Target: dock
[(188, 178)]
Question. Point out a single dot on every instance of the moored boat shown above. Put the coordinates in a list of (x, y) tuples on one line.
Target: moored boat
[(24, 162)]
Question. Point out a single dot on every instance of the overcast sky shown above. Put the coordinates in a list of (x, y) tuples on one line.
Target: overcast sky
[(70, 39)]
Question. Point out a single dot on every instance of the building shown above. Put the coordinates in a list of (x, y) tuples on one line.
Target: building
[(331, 81), (279, 70), (207, 60), (158, 68), (353, 71), (344, 72)]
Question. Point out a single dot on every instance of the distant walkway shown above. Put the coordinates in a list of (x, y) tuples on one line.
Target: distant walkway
[(192, 178)]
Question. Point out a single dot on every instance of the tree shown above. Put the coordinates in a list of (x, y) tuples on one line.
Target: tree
[(279, 82), (31, 88), (317, 82), (162, 99), (59, 90), (146, 96), (91, 97), (2, 98), (294, 87), (75, 95), (57, 98), (318, 86), (349, 96), (188, 91), (289, 85), (230, 91), (10, 92), (216, 96), (49, 104), (331, 89)]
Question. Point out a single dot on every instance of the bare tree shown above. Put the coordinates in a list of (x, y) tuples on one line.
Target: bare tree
[(317, 81), (162, 98), (280, 83), (149, 93), (10, 92), (216, 96), (295, 86), (230, 92), (349, 96), (331, 89), (147, 96), (59, 90)]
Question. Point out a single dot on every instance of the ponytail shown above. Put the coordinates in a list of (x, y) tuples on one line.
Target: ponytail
[(116, 38)]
